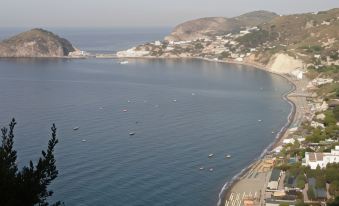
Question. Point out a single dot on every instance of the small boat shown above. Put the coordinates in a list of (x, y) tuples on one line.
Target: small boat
[(210, 155), (174, 100), (259, 120), (201, 168), (132, 133), (125, 110), (211, 169), (101, 108), (273, 132), (228, 156), (83, 140), (124, 62), (75, 128)]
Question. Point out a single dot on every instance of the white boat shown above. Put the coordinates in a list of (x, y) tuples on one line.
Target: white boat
[(75, 128), (259, 120), (201, 168), (211, 169), (124, 62), (125, 110), (132, 133), (228, 156), (210, 155), (83, 140)]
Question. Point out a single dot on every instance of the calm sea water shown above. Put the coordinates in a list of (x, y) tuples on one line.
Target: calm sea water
[(180, 111)]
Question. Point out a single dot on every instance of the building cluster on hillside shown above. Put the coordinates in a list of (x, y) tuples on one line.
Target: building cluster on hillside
[(213, 48)]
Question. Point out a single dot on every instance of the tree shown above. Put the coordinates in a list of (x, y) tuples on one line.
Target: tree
[(28, 186), (335, 202), (311, 193)]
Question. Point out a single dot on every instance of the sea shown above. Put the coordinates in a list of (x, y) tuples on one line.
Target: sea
[(180, 112)]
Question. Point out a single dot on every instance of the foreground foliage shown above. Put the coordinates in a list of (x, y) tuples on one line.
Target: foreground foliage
[(29, 185)]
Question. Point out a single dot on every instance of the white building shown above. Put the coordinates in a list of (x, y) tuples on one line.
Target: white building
[(289, 141), (321, 81), (297, 73), (157, 43), (132, 53), (320, 116), (315, 124), (313, 159)]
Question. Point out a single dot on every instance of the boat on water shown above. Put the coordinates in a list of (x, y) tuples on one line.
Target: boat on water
[(210, 155), (201, 168), (124, 62), (75, 128), (83, 140), (259, 120), (211, 169), (132, 133), (125, 110), (228, 156)]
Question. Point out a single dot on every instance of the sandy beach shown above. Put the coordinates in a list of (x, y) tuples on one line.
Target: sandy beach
[(252, 181)]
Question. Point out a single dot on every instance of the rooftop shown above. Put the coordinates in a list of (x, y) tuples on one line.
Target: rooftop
[(275, 175)]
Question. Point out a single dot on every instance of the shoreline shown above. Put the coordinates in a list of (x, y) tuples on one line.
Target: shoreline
[(227, 187)]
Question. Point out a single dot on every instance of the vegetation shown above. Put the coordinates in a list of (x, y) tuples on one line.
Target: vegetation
[(29, 185), (256, 38), (312, 48), (325, 69), (335, 202), (224, 55)]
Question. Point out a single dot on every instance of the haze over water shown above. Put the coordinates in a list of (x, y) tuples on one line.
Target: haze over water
[(180, 111)]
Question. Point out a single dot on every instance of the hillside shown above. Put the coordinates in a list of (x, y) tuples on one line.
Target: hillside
[(211, 26), (279, 43), (35, 43), (312, 37)]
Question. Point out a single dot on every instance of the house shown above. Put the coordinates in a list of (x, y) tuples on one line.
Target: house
[(274, 179), (313, 159), (289, 141), (321, 81), (321, 116), (297, 73), (315, 124)]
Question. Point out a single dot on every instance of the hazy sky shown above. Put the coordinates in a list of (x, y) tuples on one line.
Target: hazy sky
[(131, 13)]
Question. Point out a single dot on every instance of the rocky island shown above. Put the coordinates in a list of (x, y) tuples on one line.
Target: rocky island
[(37, 43)]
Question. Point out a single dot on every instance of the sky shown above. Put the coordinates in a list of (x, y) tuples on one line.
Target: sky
[(139, 13)]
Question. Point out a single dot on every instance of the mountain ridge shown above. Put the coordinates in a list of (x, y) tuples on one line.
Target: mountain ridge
[(211, 26)]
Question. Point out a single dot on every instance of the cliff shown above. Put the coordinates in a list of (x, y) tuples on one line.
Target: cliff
[(35, 43), (212, 26)]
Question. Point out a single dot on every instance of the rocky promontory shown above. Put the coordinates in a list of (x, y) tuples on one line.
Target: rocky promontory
[(213, 26), (36, 43)]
